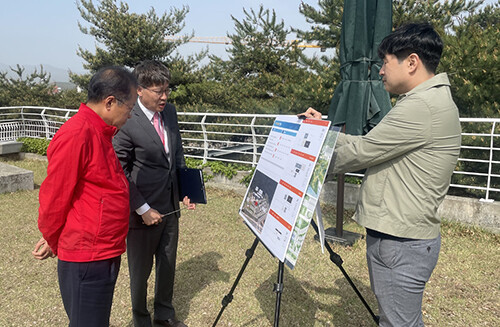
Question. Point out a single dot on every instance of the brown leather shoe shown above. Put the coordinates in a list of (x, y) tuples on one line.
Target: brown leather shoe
[(169, 323)]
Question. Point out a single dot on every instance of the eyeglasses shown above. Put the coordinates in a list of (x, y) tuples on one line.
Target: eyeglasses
[(167, 91), (125, 104)]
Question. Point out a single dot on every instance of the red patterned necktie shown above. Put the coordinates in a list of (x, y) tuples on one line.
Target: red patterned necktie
[(159, 126)]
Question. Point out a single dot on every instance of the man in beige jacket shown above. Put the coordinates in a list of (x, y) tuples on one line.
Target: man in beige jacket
[(410, 156)]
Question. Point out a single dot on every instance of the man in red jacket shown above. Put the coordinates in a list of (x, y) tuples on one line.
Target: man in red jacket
[(84, 200)]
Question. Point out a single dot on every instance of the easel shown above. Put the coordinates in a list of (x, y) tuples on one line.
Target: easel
[(278, 287)]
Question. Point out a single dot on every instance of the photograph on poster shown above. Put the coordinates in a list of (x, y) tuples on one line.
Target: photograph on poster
[(257, 203), (321, 168), (300, 230)]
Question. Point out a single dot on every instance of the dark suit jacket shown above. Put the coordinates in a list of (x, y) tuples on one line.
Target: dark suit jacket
[(152, 174)]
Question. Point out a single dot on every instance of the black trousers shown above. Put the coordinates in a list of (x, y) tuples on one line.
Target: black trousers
[(144, 244), (87, 290)]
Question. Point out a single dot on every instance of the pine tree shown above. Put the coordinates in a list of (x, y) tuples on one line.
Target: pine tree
[(124, 38)]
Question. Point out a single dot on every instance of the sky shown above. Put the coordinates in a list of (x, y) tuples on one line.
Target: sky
[(34, 32)]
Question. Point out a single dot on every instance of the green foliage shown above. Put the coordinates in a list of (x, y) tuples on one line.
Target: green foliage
[(441, 14), (68, 99), (228, 170), (259, 45), (125, 38), (353, 180), (248, 178), (34, 145), (34, 89), (326, 23), (325, 30), (471, 40), (471, 58), (263, 73), (205, 96)]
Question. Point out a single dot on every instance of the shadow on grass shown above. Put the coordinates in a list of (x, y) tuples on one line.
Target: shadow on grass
[(191, 277), (350, 304), (299, 309), (296, 304)]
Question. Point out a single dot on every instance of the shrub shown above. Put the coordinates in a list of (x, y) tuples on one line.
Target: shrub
[(34, 145)]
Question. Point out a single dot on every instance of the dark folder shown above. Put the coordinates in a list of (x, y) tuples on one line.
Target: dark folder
[(191, 185)]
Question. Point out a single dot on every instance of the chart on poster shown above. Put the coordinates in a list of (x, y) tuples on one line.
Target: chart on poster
[(282, 180)]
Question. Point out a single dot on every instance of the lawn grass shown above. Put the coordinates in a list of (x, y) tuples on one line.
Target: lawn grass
[(463, 291)]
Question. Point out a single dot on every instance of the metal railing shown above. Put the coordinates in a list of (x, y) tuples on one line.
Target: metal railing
[(36, 122), (240, 138)]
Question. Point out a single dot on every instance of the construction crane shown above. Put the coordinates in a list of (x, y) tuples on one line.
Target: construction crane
[(227, 41)]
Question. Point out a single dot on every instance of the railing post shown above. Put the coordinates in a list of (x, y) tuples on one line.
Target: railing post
[(490, 165), (23, 124), (254, 141), (45, 124), (205, 139)]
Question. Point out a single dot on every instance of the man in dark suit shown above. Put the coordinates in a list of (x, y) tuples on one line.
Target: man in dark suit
[(150, 150)]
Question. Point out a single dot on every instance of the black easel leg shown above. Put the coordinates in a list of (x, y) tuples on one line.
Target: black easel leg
[(337, 260), (229, 297), (278, 288)]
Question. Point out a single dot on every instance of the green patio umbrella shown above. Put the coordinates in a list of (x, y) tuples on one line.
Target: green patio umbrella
[(360, 100)]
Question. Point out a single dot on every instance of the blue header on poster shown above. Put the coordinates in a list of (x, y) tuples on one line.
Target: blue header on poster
[(287, 125)]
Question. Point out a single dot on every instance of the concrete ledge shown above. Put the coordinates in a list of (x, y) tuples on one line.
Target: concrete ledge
[(464, 210), (7, 147), (455, 208), (14, 179), (472, 212), (232, 184), (31, 156), (329, 194)]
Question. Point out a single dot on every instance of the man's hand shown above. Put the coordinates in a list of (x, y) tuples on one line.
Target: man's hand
[(187, 202), (311, 113), (151, 217), (42, 250)]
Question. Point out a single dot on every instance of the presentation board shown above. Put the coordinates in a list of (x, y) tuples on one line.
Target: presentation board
[(287, 182)]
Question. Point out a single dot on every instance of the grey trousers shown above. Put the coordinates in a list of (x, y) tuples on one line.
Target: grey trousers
[(399, 270), (144, 244)]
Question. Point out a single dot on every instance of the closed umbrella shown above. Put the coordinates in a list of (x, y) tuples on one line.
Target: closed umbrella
[(360, 100)]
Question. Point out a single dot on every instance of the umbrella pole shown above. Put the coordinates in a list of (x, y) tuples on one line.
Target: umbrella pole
[(339, 230), (338, 235)]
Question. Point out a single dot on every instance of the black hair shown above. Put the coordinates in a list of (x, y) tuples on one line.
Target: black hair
[(151, 72), (111, 80), (419, 38)]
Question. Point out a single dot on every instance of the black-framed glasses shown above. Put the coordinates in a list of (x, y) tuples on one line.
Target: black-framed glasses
[(125, 104), (167, 91)]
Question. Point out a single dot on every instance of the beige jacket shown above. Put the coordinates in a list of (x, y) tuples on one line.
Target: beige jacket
[(410, 156)]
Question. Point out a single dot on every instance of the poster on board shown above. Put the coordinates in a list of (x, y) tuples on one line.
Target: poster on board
[(281, 180)]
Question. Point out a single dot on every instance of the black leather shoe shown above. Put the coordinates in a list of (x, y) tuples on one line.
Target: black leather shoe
[(169, 323)]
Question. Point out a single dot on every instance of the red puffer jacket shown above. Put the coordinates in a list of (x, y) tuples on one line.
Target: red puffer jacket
[(84, 201)]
